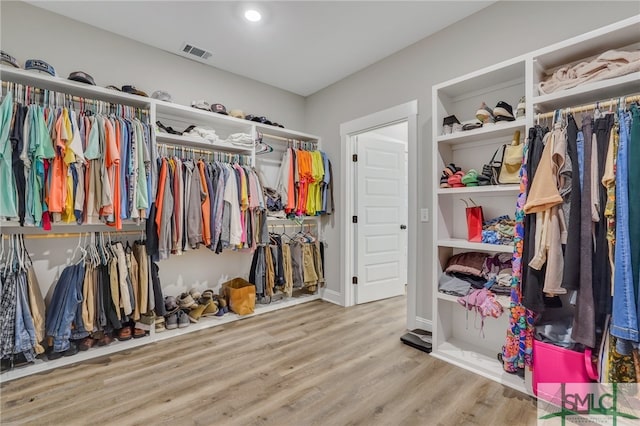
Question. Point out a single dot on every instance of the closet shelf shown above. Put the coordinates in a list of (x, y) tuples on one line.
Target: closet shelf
[(198, 142), (503, 300), (191, 115), (494, 131), (62, 85), (591, 92), (487, 189), (477, 360), (279, 132), (468, 245)]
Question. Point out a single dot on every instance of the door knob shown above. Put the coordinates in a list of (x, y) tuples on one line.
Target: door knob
[(403, 226)]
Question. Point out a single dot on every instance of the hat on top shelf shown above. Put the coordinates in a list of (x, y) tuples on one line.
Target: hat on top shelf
[(5, 58), (82, 77), (219, 108), (132, 90), (161, 95), (39, 65), (236, 113)]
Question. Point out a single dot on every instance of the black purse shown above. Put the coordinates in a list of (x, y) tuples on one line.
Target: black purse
[(492, 169)]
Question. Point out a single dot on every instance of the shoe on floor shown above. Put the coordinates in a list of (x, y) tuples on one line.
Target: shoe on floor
[(183, 319), (73, 349), (138, 333), (105, 340), (124, 333), (195, 313), (160, 324), (503, 112), (87, 343), (171, 322), (185, 301)]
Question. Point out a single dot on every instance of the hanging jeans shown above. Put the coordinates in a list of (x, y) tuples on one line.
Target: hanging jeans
[(25, 333), (62, 309), (624, 321), (634, 207)]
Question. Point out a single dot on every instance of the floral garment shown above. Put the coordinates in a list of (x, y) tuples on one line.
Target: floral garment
[(518, 348)]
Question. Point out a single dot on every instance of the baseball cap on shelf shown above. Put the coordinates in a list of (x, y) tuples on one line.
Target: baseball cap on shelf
[(5, 58), (162, 96), (201, 104), (39, 65), (219, 108), (82, 77), (236, 113), (133, 91)]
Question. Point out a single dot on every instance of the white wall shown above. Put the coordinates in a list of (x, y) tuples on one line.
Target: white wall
[(29, 32), (497, 33)]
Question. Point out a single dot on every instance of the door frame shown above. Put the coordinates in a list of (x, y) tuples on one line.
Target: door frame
[(405, 112)]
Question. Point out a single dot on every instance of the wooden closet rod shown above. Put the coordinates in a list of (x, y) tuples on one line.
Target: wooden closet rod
[(589, 107), (67, 234)]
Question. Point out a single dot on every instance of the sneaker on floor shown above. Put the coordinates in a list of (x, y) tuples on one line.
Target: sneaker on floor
[(521, 109), (503, 112), (171, 321), (485, 114), (183, 319)]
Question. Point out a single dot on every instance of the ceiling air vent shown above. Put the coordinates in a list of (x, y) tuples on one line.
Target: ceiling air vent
[(195, 51)]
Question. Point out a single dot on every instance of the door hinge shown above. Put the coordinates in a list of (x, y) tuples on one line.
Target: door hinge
[(354, 280), (354, 219), (354, 158)]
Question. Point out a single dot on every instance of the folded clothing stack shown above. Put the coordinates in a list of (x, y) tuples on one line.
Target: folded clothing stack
[(203, 132), (241, 139), (499, 230)]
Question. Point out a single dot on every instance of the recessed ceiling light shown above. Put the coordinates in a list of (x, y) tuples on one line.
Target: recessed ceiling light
[(252, 15)]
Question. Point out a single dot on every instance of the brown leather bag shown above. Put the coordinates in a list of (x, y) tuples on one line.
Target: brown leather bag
[(241, 295)]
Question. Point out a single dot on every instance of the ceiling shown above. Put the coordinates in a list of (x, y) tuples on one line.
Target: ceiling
[(299, 46)]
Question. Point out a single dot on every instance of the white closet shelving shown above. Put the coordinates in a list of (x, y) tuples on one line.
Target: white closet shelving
[(179, 117), (456, 338)]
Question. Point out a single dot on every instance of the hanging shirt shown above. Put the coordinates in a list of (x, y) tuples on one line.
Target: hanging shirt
[(8, 203)]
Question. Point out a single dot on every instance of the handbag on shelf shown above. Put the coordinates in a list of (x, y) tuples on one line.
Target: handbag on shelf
[(492, 169), (512, 161), (475, 220)]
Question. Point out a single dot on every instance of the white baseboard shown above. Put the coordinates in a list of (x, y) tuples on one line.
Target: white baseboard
[(332, 296), (424, 324)]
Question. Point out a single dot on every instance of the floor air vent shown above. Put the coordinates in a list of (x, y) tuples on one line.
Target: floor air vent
[(195, 51)]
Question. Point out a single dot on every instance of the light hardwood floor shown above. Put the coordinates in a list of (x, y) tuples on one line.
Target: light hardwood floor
[(313, 364)]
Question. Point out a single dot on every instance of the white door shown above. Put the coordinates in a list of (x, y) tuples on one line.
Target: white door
[(381, 218)]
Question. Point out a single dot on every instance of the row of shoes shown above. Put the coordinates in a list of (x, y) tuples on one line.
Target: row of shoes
[(189, 307), (453, 177), (503, 112), (99, 338)]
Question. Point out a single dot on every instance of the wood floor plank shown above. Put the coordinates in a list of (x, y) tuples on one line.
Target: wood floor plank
[(312, 364)]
